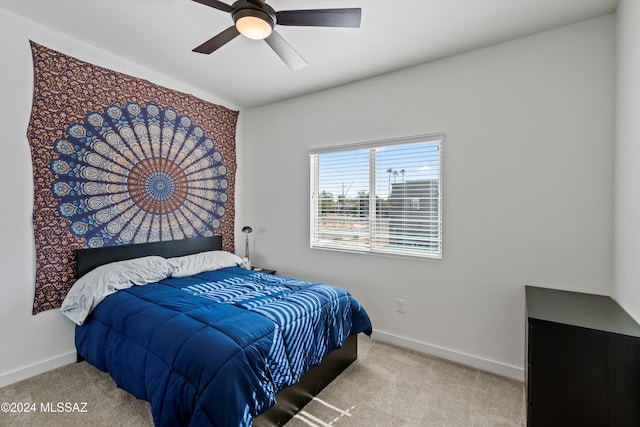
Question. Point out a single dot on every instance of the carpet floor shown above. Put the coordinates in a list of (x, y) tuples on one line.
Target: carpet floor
[(386, 386)]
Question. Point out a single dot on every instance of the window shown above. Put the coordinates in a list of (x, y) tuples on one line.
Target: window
[(379, 197)]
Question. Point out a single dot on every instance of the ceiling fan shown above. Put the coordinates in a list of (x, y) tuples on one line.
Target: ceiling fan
[(255, 19)]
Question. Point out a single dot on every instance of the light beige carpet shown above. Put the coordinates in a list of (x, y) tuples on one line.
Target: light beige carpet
[(387, 386)]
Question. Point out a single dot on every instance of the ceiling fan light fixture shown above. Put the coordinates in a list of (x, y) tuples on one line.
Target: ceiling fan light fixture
[(253, 24), (255, 19)]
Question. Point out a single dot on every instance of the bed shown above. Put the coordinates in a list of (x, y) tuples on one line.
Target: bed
[(222, 347)]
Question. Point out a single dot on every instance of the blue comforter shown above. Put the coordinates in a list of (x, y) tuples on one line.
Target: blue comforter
[(215, 348)]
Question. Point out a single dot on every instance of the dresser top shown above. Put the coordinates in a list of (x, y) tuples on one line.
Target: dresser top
[(577, 309)]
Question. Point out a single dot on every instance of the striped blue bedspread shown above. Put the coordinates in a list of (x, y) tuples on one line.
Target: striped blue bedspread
[(213, 349)]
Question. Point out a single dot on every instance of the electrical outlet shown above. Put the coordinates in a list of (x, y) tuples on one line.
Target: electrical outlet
[(400, 305)]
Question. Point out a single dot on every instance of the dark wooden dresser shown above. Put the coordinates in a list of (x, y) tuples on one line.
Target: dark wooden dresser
[(582, 361)]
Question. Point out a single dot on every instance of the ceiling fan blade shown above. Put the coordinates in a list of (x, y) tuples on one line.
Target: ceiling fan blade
[(320, 17), (284, 50), (216, 5), (216, 42)]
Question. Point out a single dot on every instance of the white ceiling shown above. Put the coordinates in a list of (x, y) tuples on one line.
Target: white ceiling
[(395, 34)]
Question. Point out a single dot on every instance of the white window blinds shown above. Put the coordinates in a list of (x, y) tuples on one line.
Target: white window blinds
[(382, 197)]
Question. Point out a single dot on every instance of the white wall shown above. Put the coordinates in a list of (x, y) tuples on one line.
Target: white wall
[(33, 344), (528, 178), (627, 159)]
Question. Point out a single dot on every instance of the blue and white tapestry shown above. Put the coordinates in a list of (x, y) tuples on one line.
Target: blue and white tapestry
[(118, 160)]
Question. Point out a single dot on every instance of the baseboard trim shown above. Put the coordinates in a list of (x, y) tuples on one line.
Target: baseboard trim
[(488, 365), (37, 368)]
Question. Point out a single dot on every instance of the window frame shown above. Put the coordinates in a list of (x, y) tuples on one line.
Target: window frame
[(372, 146)]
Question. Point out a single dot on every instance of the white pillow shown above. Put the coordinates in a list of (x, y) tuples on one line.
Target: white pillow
[(189, 265), (97, 284)]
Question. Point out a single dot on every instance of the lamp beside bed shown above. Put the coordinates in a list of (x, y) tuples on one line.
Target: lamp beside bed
[(247, 261)]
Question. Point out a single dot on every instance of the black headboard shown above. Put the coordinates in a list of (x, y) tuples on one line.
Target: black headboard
[(88, 259)]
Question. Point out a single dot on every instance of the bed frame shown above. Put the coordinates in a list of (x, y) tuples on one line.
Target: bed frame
[(291, 399)]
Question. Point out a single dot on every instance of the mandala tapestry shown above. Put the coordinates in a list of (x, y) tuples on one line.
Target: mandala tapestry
[(118, 160)]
